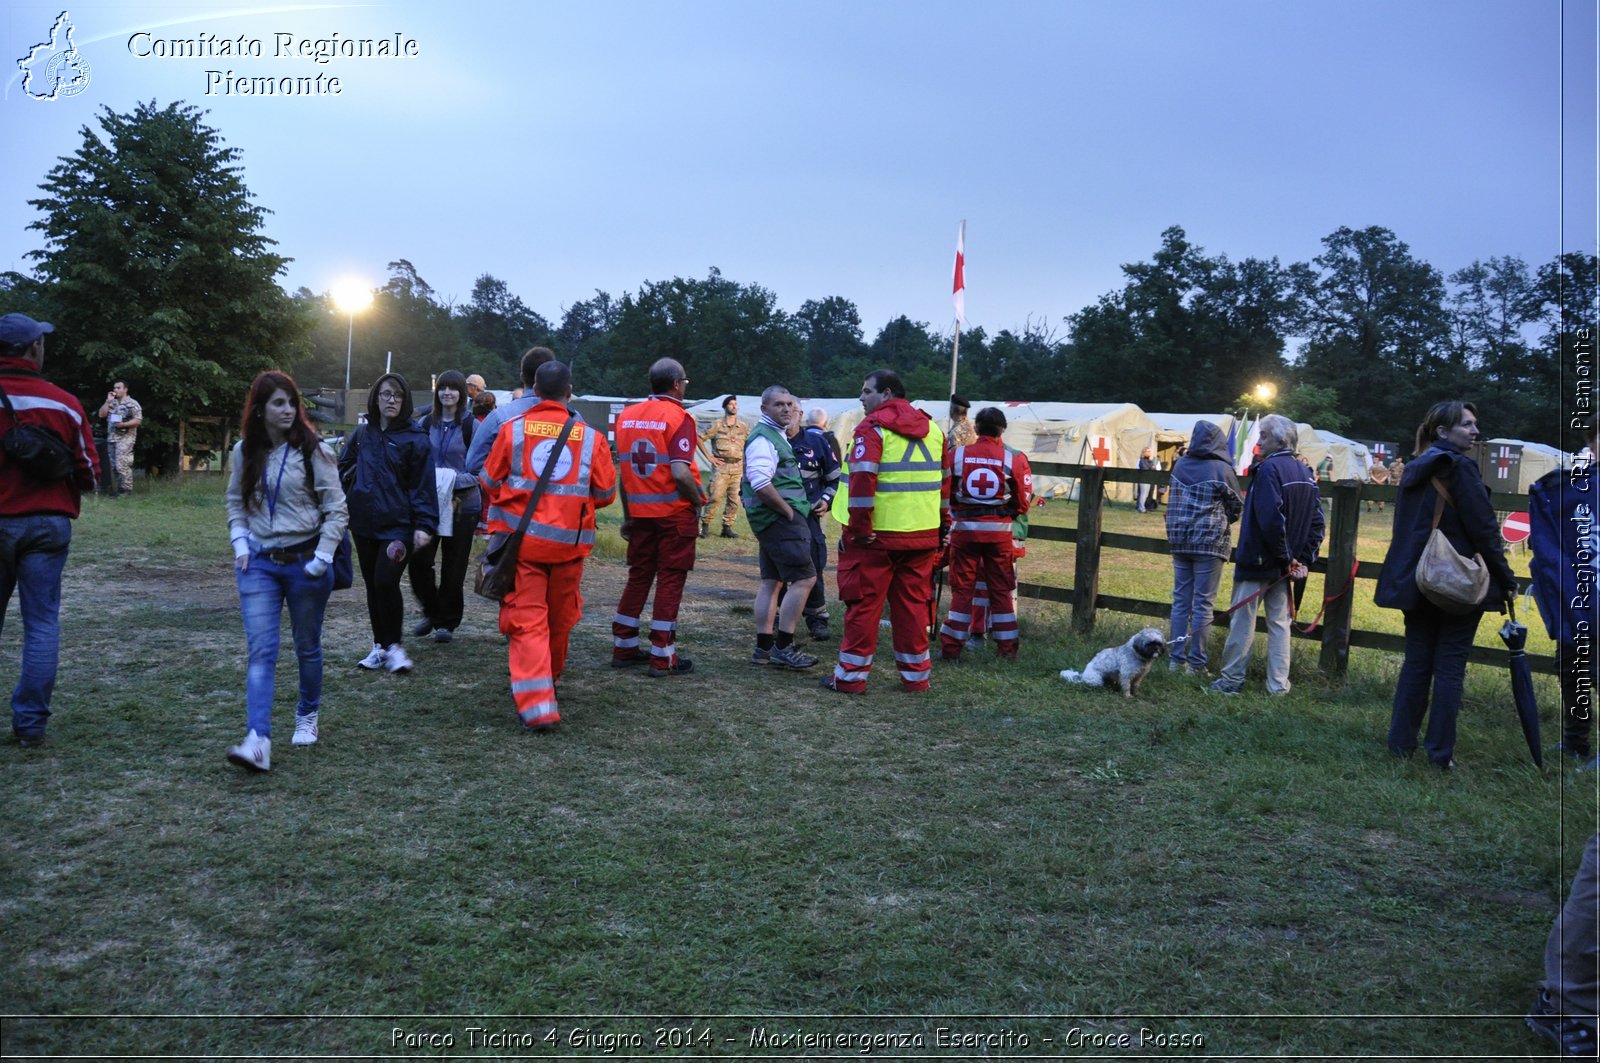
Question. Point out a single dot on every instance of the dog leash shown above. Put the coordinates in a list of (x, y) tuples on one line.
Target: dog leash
[(1317, 620), (1349, 585)]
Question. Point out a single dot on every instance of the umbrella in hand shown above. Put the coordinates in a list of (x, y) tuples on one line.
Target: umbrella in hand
[(1515, 636)]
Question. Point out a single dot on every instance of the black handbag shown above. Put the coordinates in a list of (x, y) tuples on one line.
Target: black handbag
[(37, 451), (344, 571), (497, 569)]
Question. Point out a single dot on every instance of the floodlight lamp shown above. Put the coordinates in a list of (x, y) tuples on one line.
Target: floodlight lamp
[(352, 297), (1266, 391)]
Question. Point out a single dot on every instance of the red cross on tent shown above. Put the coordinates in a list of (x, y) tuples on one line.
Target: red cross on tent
[(1503, 464), (1380, 451), (1101, 449)]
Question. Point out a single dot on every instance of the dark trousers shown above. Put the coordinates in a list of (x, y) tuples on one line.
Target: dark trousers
[(385, 605), (1436, 655), (817, 600), (442, 602)]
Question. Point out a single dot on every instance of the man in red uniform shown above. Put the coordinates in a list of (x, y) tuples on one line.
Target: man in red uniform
[(892, 513), (661, 500), (546, 603), (990, 484), (36, 517)]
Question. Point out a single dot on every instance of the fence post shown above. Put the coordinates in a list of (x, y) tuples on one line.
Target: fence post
[(1086, 577), (1343, 521)]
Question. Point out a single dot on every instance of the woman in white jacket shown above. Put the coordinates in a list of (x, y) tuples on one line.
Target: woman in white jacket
[(286, 516)]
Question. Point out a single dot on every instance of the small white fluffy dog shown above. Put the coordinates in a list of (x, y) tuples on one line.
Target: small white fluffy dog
[(1125, 665)]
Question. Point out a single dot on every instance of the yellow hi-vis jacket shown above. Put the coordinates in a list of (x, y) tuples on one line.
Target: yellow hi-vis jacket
[(909, 476)]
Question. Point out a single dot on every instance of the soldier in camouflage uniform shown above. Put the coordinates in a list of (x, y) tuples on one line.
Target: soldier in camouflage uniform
[(961, 432), (723, 444), (123, 416)]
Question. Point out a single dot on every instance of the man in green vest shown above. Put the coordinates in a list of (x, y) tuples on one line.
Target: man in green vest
[(894, 518), (774, 496)]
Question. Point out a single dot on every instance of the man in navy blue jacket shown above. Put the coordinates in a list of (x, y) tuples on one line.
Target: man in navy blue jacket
[(1564, 507), (1278, 539)]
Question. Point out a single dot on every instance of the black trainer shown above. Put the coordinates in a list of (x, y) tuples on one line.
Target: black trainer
[(1572, 1035)]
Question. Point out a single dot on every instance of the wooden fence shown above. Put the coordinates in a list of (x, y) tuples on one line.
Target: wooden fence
[(1336, 634)]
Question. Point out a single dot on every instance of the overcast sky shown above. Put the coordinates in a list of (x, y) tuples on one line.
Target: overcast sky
[(832, 148)]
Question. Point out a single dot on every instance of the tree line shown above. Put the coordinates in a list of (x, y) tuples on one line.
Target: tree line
[(155, 269)]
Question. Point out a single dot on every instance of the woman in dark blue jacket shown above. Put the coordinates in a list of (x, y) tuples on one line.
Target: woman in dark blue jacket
[(449, 425), (387, 471), (1437, 641)]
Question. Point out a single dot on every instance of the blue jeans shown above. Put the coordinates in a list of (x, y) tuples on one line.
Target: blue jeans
[(264, 587), (33, 553), (1195, 579), (1437, 643)]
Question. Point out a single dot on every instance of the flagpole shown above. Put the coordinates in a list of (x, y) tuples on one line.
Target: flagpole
[(955, 353), (959, 295)]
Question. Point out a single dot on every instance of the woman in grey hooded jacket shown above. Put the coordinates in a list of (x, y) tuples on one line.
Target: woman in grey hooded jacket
[(1203, 504)]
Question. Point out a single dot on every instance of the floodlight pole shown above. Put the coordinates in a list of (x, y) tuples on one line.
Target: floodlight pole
[(349, 345)]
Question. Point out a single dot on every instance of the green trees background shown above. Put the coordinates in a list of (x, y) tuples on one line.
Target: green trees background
[(154, 268)]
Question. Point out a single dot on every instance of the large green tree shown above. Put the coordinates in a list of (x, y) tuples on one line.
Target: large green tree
[(835, 351), (1187, 331), (1491, 307), (730, 337), (1564, 298), (501, 326), (585, 341), (155, 271), (1378, 332)]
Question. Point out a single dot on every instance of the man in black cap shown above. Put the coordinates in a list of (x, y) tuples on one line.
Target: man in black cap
[(961, 431), (36, 514)]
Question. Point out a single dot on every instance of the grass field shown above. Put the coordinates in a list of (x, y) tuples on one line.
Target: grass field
[(735, 858)]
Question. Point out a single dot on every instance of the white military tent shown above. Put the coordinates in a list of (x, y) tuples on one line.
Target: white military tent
[(1350, 459), (1537, 459), (1068, 433)]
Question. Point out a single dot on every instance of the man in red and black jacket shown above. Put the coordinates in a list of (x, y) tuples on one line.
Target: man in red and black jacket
[(36, 517)]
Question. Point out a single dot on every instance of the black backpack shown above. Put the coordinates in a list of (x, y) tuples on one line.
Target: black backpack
[(35, 449)]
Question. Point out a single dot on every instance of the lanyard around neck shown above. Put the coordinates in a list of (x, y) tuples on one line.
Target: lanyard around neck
[(272, 495)]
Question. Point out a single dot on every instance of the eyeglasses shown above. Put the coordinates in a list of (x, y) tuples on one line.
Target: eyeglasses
[(384, 396)]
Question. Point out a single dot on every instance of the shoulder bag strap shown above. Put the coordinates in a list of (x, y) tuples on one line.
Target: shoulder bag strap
[(544, 476), (1443, 497)]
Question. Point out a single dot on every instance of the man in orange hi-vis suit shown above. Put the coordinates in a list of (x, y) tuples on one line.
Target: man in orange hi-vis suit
[(661, 500), (546, 603)]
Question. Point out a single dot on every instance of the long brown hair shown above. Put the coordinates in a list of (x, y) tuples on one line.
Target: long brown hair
[(253, 431), (1444, 415)]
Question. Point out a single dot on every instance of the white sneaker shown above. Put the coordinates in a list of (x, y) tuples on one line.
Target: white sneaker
[(305, 730), (374, 660), (396, 659), (254, 752)]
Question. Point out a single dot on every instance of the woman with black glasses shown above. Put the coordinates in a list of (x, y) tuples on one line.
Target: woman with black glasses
[(387, 470)]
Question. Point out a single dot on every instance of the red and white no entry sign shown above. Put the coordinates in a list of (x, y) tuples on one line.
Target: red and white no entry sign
[(1515, 529)]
